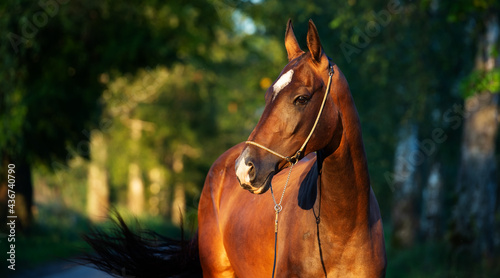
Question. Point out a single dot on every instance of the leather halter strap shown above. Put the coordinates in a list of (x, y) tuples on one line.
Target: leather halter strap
[(295, 158)]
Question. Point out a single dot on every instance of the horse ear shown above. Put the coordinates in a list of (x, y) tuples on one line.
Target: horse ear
[(313, 42), (292, 46)]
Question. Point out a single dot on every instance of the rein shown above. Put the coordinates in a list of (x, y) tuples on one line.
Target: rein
[(292, 161)]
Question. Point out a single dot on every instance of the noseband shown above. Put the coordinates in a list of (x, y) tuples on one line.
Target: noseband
[(295, 158)]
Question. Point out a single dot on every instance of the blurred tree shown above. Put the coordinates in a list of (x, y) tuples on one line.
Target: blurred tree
[(187, 104), (423, 72), (55, 54), (476, 188), (98, 186), (432, 205), (405, 187), (135, 194)]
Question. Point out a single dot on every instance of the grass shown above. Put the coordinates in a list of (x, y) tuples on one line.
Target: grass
[(425, 260), (437, 259)]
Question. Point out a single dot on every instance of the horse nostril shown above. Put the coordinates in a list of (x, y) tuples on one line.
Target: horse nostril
[(251, 171)]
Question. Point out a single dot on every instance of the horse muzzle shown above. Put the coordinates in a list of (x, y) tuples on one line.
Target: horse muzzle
[(251, 176)]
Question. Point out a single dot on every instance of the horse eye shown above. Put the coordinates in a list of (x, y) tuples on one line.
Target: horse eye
[(301, 100)]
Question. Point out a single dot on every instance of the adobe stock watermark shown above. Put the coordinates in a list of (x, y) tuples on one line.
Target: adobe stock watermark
[(30, 28), (454, 118), (371, 29)]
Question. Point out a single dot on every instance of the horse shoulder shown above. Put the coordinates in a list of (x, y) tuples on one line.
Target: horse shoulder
[(213, 256)]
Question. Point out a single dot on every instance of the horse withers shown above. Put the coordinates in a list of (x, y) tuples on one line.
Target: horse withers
[(320, 218)]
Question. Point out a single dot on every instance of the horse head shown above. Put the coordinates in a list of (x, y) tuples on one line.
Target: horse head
[(300, 115)]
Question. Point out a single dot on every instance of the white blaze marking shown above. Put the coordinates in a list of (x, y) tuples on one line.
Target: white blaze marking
[(282, 82), (242, 172)]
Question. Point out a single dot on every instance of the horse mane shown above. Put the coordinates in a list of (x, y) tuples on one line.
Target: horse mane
[(308, 190)]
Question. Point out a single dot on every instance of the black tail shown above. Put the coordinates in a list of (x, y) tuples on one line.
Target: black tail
[(126, 253)]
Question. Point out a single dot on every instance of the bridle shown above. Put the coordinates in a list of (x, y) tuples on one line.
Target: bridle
[(292, 160), (295, 158)]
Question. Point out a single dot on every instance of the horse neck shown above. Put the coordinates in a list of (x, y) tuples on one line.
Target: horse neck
[(345, 182)]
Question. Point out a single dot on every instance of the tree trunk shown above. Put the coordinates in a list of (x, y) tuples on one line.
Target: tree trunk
[(430, 220), (98, 188), (473, 216), (157, 180), (23, 188), (407, 159), (179, 201), (178, 204), (135, 189), (135, 195), (24, 194)]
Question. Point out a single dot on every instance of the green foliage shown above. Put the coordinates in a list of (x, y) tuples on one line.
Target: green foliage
[(90, 66), (48, 110), (462, 10), (480, 81), (12, 120), (435, 258)]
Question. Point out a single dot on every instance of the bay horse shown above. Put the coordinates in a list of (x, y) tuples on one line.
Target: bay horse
[(321, 218)]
